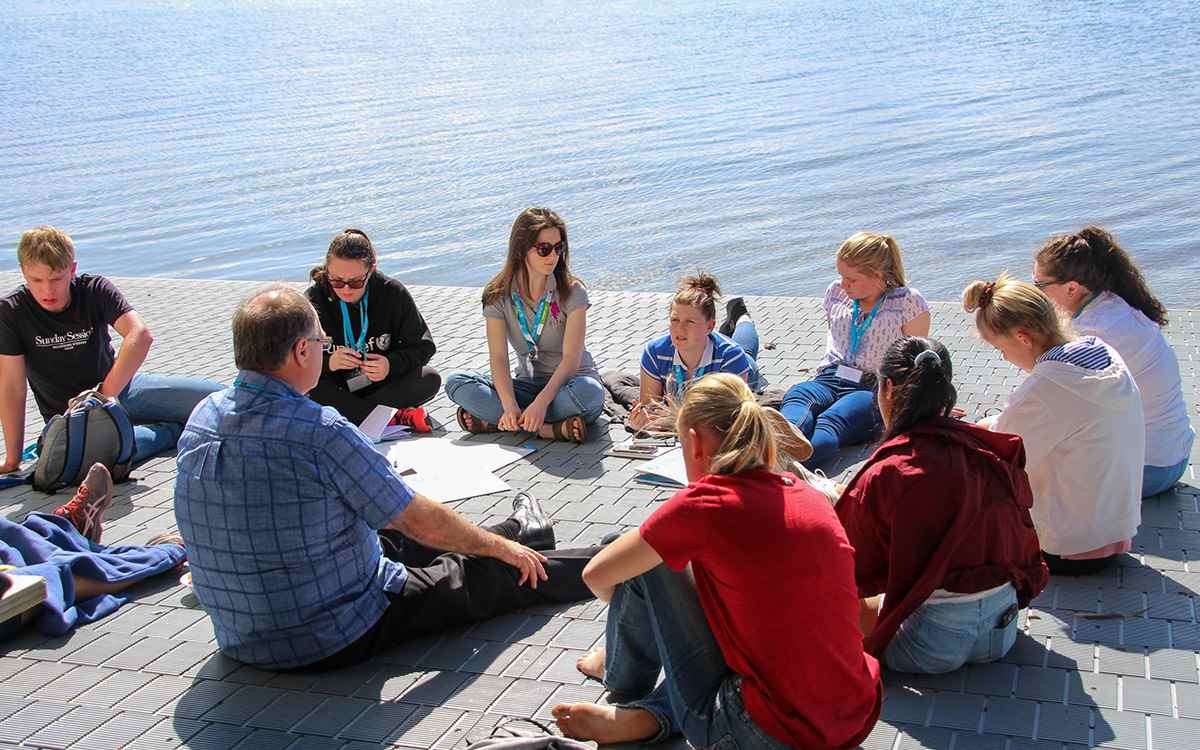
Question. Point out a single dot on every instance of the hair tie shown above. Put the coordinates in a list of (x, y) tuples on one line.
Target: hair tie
[(986, 298), (928, 355)]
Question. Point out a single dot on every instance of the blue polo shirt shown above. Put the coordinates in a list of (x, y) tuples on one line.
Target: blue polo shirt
[(278, 500), (721, 354)]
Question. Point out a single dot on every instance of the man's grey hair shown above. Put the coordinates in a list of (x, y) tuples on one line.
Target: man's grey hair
[(267, 326)]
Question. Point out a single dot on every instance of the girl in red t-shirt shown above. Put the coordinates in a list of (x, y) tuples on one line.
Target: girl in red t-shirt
[(749, 661)]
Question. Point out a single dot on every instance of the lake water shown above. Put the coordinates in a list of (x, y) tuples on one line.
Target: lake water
[(194, 139)]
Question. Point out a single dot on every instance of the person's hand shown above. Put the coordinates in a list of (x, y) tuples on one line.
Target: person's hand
[(958, 412), (988, 423), (10, 465), (376, 367), (637, 416), (510, 420), (533, 416), (530, 562), (344, 358)]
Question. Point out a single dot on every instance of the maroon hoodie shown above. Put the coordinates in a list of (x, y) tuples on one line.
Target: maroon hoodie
[(942, 506)]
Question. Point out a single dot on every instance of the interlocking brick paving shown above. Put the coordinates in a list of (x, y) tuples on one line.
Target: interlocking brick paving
[(150, 676)]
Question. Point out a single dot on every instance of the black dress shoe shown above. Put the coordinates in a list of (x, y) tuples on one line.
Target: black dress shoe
[(537, 531), (734, 309)]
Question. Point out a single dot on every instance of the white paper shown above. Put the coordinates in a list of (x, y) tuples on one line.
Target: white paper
[(667, 470), (394, 432), (446, 470), (376, 422)]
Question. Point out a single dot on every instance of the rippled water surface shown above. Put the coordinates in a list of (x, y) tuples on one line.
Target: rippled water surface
[(232, 140)]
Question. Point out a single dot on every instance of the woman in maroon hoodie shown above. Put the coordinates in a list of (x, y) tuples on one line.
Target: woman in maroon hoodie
[(939, 520)]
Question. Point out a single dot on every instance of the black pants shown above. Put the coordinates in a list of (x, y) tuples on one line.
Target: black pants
[(411, 389), (445, 590), (1063, 567)]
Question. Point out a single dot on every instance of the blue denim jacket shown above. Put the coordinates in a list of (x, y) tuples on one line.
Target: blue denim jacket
[(278, 500)]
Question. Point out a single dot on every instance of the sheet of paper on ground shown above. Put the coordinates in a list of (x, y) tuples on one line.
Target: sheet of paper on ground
[(377, 425), (665, 471), (444, 469)]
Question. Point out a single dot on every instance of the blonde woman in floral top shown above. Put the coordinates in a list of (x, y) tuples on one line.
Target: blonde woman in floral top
[(866, 310)]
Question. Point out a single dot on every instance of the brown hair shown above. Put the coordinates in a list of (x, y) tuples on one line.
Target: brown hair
[(348, 244), (878, 253), (522, 237), (46, 245), (752, 435), (1093, 258), (701, 292), (1003, 305), (268, 325)]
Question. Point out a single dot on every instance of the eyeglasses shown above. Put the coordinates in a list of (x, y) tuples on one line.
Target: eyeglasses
[(545, 248), (326, 342), (358, 283), (1046, 283)]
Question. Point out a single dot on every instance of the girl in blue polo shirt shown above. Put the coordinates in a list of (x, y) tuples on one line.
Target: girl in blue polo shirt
[(691, 348)]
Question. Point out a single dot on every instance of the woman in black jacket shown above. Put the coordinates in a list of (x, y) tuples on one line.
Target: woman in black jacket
[(382, 345)]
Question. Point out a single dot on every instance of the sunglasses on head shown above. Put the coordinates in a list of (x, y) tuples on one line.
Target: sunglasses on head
[(545, 248), (358, 283)]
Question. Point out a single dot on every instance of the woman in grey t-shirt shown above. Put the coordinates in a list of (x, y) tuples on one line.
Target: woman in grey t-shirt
[(535, 305)]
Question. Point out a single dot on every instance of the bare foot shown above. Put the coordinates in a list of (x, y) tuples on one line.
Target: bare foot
[(591, 664), (468, 422), (604, 724)]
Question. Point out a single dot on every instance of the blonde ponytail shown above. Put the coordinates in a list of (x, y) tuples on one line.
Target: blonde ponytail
[(1003, 305), (724, 405)]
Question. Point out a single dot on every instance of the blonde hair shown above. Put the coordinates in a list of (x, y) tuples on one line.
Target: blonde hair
[(701, 292), (752, 436), (878, 253), (1006, 304), (46, 245)]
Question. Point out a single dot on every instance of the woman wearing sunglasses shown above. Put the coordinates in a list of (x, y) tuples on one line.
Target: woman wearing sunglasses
[(381, 344), (1091, 278), (536, 306)]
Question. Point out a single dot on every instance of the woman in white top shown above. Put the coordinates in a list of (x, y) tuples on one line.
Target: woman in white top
[(1079, 414), (1091, 278)]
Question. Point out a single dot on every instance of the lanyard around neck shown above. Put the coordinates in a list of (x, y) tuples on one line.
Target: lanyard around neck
[(680, 374), (347, 330), (858, 330), (534, 334)]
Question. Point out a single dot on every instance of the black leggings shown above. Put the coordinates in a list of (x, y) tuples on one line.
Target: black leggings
[(411, 389), (1063, 567), (445, 590)]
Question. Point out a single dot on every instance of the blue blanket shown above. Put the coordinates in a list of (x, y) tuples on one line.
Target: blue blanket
[(50, 547)]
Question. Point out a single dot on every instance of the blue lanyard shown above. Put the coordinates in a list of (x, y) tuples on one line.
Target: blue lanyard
[(539, 319), (360, 343), (857, 330), (681, 377)]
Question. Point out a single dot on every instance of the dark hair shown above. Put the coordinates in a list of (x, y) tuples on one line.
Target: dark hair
[(268, 325), (699, 291), (349, 244), (920, 372), (524, 234), (1093, 258)]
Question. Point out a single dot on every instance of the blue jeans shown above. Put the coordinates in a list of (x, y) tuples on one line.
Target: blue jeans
[(939, 638), (1156, 479), (831, 412), (582, 395), (655, 623), (159, 407), (746, 336)]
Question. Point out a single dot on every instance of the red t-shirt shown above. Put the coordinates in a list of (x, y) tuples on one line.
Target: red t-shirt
[(775, 577)]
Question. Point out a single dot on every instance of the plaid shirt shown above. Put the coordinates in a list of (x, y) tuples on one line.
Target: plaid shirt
[(278, 500)]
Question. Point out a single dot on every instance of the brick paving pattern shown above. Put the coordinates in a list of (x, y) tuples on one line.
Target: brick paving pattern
[(150, 675)]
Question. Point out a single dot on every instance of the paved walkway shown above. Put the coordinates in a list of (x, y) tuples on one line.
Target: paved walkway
[(150, 676)]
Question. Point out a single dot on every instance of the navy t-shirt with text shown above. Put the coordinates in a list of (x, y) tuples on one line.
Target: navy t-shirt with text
[(65, 352)]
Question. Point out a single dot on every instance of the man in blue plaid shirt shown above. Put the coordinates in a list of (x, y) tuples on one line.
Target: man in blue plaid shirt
[(306, 547)]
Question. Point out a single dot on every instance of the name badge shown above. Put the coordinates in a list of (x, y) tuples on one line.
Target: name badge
[(357, 381), (849, 373)]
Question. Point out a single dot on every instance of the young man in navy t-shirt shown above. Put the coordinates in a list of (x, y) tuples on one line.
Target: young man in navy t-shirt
[(54, 335)]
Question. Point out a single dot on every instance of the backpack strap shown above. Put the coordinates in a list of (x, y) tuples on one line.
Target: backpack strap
[(76, 436), (120, 418)]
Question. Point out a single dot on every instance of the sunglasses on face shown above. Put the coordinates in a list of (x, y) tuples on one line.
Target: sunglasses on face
[(358, 283), (545, 248)]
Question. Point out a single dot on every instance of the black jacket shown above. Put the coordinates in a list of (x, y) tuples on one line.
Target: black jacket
[(395, 326)]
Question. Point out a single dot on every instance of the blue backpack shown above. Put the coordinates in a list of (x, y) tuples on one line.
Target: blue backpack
[(94, 428)]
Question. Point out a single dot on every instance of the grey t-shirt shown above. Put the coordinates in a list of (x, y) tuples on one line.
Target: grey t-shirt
[(550, 344)]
